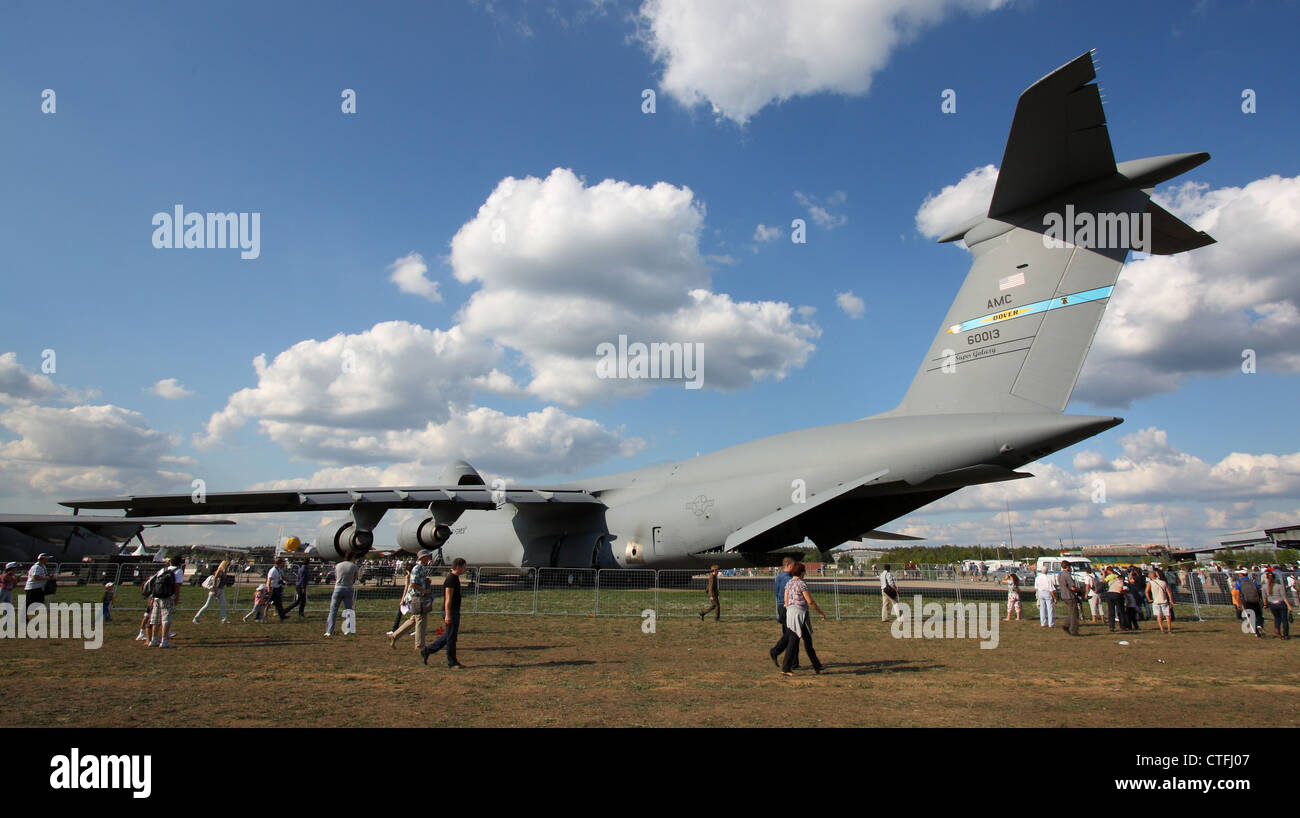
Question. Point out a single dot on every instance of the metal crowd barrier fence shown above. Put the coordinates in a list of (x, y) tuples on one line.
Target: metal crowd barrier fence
[(744, 594)]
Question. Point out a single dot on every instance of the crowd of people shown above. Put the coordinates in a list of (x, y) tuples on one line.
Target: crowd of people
[(1120, 597), (162, 591)]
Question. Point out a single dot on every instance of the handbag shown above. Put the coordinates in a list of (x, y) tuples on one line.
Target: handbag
[(420, 605), (210, 583)]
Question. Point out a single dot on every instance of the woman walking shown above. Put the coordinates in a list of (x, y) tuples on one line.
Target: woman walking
[(797, 603), (216, 585), (1013, 595), (401, 600), (1278, 605)]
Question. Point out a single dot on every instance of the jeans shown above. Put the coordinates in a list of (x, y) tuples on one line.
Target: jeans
[(447, 640), (786, 638), (341, 596), (1259, 615), (300, 600), (1114, 609), (277, 599), (218, 594), (805, 626), (1281, 623)]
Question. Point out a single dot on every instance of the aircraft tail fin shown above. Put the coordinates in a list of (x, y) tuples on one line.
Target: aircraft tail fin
[(1046, 256)]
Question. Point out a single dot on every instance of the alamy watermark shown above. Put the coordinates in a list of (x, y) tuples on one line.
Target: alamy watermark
[(1101, 231), (637, 361), (78, 771), (949, 620), (53, 620), (208, 231)]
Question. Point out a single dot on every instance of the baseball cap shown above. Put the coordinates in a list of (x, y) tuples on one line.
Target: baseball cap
[(43, 556), (9, 565)]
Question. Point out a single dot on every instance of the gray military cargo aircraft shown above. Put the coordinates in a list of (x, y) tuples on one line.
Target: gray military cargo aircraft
[(71, 538), (988, 398)]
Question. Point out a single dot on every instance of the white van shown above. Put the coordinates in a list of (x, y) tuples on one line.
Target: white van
[(1052, 565)]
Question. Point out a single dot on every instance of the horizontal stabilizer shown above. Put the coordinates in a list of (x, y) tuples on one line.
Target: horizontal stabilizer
[(1170, 234), (886, 535)]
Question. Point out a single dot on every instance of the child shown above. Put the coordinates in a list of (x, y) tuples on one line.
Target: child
[(109, 595), (260, 597), (1131, 606), (146, 630), (1013, 596)]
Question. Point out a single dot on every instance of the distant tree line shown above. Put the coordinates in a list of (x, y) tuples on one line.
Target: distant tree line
[(946, 554)]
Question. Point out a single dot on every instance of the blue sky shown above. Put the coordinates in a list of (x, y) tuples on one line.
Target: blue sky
[(240, 111)]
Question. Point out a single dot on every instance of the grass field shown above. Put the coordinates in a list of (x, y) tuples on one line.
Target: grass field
[(579, 671)]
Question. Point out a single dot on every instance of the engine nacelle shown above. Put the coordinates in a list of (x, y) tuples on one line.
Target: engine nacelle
[(460, 473), (422, 532), (341, 541)]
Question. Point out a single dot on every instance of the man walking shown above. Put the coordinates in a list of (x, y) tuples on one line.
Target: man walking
[(1068, 589), (419, 586), (888, 594), (275, 584), (450, 616), (166, 593), (1251, 609), (714, 605), (37, 577), (1045, 590), (345, 576), (783, 579), (300, 589)]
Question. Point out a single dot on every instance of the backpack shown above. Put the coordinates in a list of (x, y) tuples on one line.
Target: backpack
[(1249, 591), (161, 585)]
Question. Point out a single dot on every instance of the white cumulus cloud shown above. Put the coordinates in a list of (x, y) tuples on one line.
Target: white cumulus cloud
[(958, 202), (565, 267), (853, 306), (408, 273), (739, 56), (169, 389)]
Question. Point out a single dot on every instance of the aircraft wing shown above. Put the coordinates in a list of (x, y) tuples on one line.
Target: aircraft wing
[(56, 527), (336, 499), (781, 516)]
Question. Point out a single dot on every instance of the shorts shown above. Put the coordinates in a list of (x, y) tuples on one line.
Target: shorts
[(1161, 608), (161, 611)]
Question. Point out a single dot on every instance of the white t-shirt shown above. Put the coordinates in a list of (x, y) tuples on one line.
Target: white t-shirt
[(36, 577), (274, 579), (885, 580)]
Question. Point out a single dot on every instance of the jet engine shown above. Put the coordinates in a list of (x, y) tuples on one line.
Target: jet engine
[(422, 532), (341, 541)]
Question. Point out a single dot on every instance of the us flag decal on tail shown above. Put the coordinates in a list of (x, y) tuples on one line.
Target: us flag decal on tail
[(1011, 281)]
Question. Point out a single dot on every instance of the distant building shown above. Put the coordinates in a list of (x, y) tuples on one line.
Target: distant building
[(1287, 536)]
